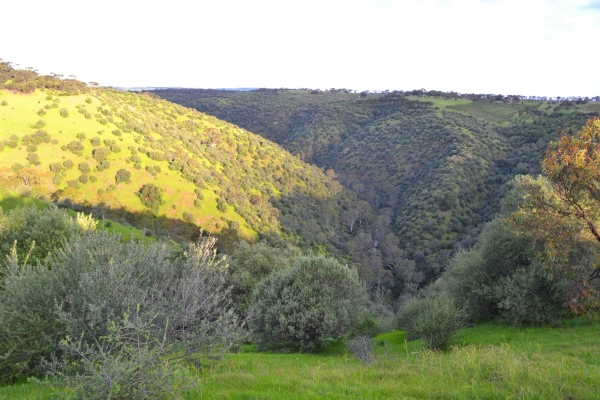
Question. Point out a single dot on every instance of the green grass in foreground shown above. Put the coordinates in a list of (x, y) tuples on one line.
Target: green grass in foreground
[(486, 362)]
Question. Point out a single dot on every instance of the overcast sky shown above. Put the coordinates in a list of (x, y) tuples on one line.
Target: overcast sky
[(527, 47)]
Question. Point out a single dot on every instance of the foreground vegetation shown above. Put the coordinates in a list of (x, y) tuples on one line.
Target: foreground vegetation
[(488, 361)]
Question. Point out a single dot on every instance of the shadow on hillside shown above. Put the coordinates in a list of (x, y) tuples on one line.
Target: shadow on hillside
[(160, 227)]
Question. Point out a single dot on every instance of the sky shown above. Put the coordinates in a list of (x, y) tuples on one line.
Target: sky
[(525, 47)]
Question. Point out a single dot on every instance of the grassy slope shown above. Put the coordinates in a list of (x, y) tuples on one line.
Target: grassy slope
[(488, 361), (20, 114), (224, 161)]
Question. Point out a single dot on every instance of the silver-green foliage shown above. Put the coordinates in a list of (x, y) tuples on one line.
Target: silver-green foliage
[(315, 300), (79, 307), (36, 232), (433, 319)]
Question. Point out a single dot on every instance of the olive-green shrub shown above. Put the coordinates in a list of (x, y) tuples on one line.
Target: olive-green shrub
[(435, 320), (316, 300)]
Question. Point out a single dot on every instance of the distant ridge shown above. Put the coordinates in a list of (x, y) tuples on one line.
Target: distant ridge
[(144, 88)]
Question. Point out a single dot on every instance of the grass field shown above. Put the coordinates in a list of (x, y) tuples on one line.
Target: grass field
[(486, 362), (590, 107)]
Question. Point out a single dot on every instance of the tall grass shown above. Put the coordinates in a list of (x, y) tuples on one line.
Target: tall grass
[(485, 362)]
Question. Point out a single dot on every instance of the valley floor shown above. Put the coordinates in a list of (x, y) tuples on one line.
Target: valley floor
[(486, 362)]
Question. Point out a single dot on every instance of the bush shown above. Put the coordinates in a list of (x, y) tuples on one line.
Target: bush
[(248, 265), (83, 179), (435, 320), (115, 315), (64, 112), (101, 154), (151, 196), (93, 178), (123, 176), (529, 297), (316, 300), (35, 232), (487, 279), (4, 103), (363, 348), (84, 167), (34, 159)]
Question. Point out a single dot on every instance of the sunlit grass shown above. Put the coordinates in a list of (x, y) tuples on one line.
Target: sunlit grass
[(488, 361)]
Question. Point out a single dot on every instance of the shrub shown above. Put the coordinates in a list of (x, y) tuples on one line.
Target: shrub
[(64, 112), (68, 164), (38, 125), (93, 178), (32, 148), (81, 136), (435, 320), (248, 265), (83, 179), (487, 279), (34, 232), (221, 205), (73, 184), (101, 154), (115, 149), (95, 141), (316, 300), (117, 328), (197, 203), (84, 167), (4, 103), (123, 176), (529, 297), (363, 348), (76, 147), (151, 196), (17, 166), (33, 159)]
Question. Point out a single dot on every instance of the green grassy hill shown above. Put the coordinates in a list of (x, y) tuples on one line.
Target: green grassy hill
[(95, 148), (436, 166)]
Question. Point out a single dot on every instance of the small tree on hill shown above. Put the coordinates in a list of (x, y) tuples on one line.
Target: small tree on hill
[(151, 196), (101, 154), (123, 176)]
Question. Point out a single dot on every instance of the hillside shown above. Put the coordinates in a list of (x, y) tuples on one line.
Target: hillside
[(436, 165), (96, 149)]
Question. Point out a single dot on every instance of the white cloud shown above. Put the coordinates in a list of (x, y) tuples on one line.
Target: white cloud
[(509, 46)]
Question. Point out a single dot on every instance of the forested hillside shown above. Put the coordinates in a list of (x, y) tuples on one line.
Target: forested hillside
[(160, 166), (435, 167)]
